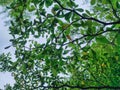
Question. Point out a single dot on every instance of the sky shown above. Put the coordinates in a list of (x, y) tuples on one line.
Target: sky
[(5, 77)]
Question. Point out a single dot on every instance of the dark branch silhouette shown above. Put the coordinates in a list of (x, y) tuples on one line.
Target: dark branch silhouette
[(88, 18), (92, 35)]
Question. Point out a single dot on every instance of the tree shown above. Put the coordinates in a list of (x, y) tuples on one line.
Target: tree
[(81, 48)]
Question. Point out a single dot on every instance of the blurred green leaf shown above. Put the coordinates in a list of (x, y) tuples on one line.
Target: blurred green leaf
[(93, 2), (102, 39)]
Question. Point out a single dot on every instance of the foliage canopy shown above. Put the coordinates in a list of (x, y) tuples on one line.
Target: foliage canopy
[(81, 47)]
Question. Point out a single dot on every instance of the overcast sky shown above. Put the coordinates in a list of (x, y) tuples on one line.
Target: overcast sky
[(5, 77)]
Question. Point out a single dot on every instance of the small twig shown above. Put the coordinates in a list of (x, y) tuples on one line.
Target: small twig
[(67, 27), (7, 47)]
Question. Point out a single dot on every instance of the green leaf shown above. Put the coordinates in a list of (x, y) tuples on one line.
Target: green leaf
[(56, 7), (48, 3), (80, 9), (88, 12), (102, 39), (66, 52), (77, 25), (114, 2), (69, 4), (54, 72), (68, 16), (118, 40), (104, 1), (118, 4), (31, 8), (93, 2), (85, 15), (93, 53), (23, 68)]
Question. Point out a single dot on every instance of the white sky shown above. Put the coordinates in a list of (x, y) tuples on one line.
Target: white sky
[(5, 77)]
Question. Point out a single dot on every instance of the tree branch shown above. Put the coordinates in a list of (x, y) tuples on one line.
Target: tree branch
[(92, 35), (88, 18)]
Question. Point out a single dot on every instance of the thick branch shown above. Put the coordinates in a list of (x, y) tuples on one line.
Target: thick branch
[(88, 18)]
